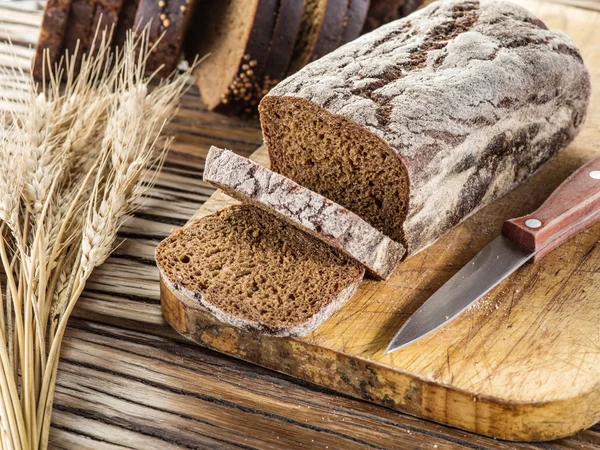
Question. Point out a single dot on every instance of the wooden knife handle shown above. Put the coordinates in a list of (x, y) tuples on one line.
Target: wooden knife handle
[(571, 208)]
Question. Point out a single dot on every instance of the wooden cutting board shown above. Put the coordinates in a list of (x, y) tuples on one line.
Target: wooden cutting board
[(522, 364)]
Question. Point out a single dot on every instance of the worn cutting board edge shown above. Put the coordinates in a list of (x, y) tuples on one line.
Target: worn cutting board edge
[(549, 363)]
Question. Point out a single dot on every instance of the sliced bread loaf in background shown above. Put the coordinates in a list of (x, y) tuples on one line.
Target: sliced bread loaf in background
[(256, 272), (126, 21), (248, 182), (415, 131)]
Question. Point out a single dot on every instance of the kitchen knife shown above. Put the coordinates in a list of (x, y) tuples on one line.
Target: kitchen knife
[(571, 208)]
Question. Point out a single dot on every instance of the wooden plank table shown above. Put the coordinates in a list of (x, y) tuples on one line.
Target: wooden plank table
[(127, 380)]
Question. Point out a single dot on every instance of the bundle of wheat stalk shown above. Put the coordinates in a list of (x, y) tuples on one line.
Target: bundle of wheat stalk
[(76, 157)]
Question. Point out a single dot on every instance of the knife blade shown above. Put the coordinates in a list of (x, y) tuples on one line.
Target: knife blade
[(571, 208)]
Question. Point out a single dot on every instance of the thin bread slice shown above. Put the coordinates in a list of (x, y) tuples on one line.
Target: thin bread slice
[(285, 32), (167, 22), (234, 36), (126, 22), (256, 272), (354, 20), (333, 224), (52, 33), (87, 21), (320, 31)]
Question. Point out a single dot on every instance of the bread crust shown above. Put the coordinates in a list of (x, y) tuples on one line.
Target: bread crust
[(246, 88), (52, 33), (328, 35), (282, 42), (169, 19), (384, 11), (471, 97), (323, 219), (355, 20), (126, 22), (331, 29), (87, 20)]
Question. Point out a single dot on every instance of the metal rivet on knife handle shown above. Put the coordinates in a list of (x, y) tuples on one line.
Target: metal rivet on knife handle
[(572, 207)]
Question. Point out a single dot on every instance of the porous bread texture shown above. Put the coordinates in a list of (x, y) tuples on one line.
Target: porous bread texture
[(420, 123), (325, 220), (256, 272)]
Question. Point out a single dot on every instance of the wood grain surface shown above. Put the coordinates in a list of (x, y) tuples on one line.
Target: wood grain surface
[(128, 381)]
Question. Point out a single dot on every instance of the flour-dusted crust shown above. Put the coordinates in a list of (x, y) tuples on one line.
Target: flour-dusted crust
[(303, 208), (472, 97)]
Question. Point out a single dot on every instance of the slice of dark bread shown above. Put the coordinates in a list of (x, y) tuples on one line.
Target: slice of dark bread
[(52, 33), (384, 11), (320, 31), (250, 183), (354, 20), (235, 35), (168, 22), (415, 132), (282, 43), (87, 20), (126, 22), (256, 272)]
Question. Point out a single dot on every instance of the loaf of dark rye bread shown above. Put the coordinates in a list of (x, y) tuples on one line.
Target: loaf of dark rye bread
[(323, 219), (423, 121), (256, 272)]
